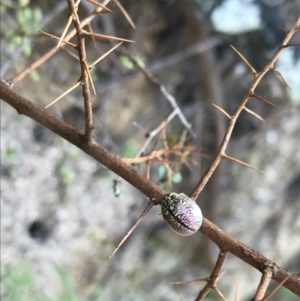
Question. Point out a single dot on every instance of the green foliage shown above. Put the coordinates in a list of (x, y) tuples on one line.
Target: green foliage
[(126, 62), (69, 292), (66, 174), (18, 283), (28, 22), (11, 157), (164, 180), (128, 151)]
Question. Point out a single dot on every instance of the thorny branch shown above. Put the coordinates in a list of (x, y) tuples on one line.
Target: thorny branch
[(151, 190), (212, 280), (251, 93), (84, 71), (221, 238), (263, 285), (52, 51)]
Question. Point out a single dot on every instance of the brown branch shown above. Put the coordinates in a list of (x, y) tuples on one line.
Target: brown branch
[(263, 285), (257, 78), (248, 255), (69, 133), (52, 51), (213, 278), (277, 287), (84, 72), (152, 191)]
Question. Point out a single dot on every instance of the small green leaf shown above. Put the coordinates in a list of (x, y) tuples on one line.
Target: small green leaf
[(161, 171), (23, 3), (26, 46), (34, 76), (128, 151), (9, 33), (27, 14), (37, 14), (126, 62), (177, 177)]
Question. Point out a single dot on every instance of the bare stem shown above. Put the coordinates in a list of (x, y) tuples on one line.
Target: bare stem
[(256, 79), (52, 51), (212, 280)]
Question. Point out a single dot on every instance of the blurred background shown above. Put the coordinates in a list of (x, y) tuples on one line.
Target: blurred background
[(60, 214)]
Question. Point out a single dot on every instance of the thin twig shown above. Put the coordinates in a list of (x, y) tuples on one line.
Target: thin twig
[(52, 51), (257, 78), (154, 132), (264, 282), (84, 72), (212, 280), (277, 287)]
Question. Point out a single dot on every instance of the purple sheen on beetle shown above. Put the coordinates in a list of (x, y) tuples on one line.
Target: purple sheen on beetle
[(182, 213)]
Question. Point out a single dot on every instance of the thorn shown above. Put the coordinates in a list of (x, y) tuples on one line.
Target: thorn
[(89, 75), (57, 38), (264, 100), (276, 288), (254, 114), (190, 281), (104, 55), (241, 162), (128, 18), (146, 210), (220, 293), (237, 291), (285, 31), (93, 38), (223, 111), (100, 5), (65, 31), (58, 98), (282, 77), (98, 35), (291, 45), (72, 54), (244, 59)]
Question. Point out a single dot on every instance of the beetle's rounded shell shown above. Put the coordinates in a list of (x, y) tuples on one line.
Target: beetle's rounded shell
[(182, 213)]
